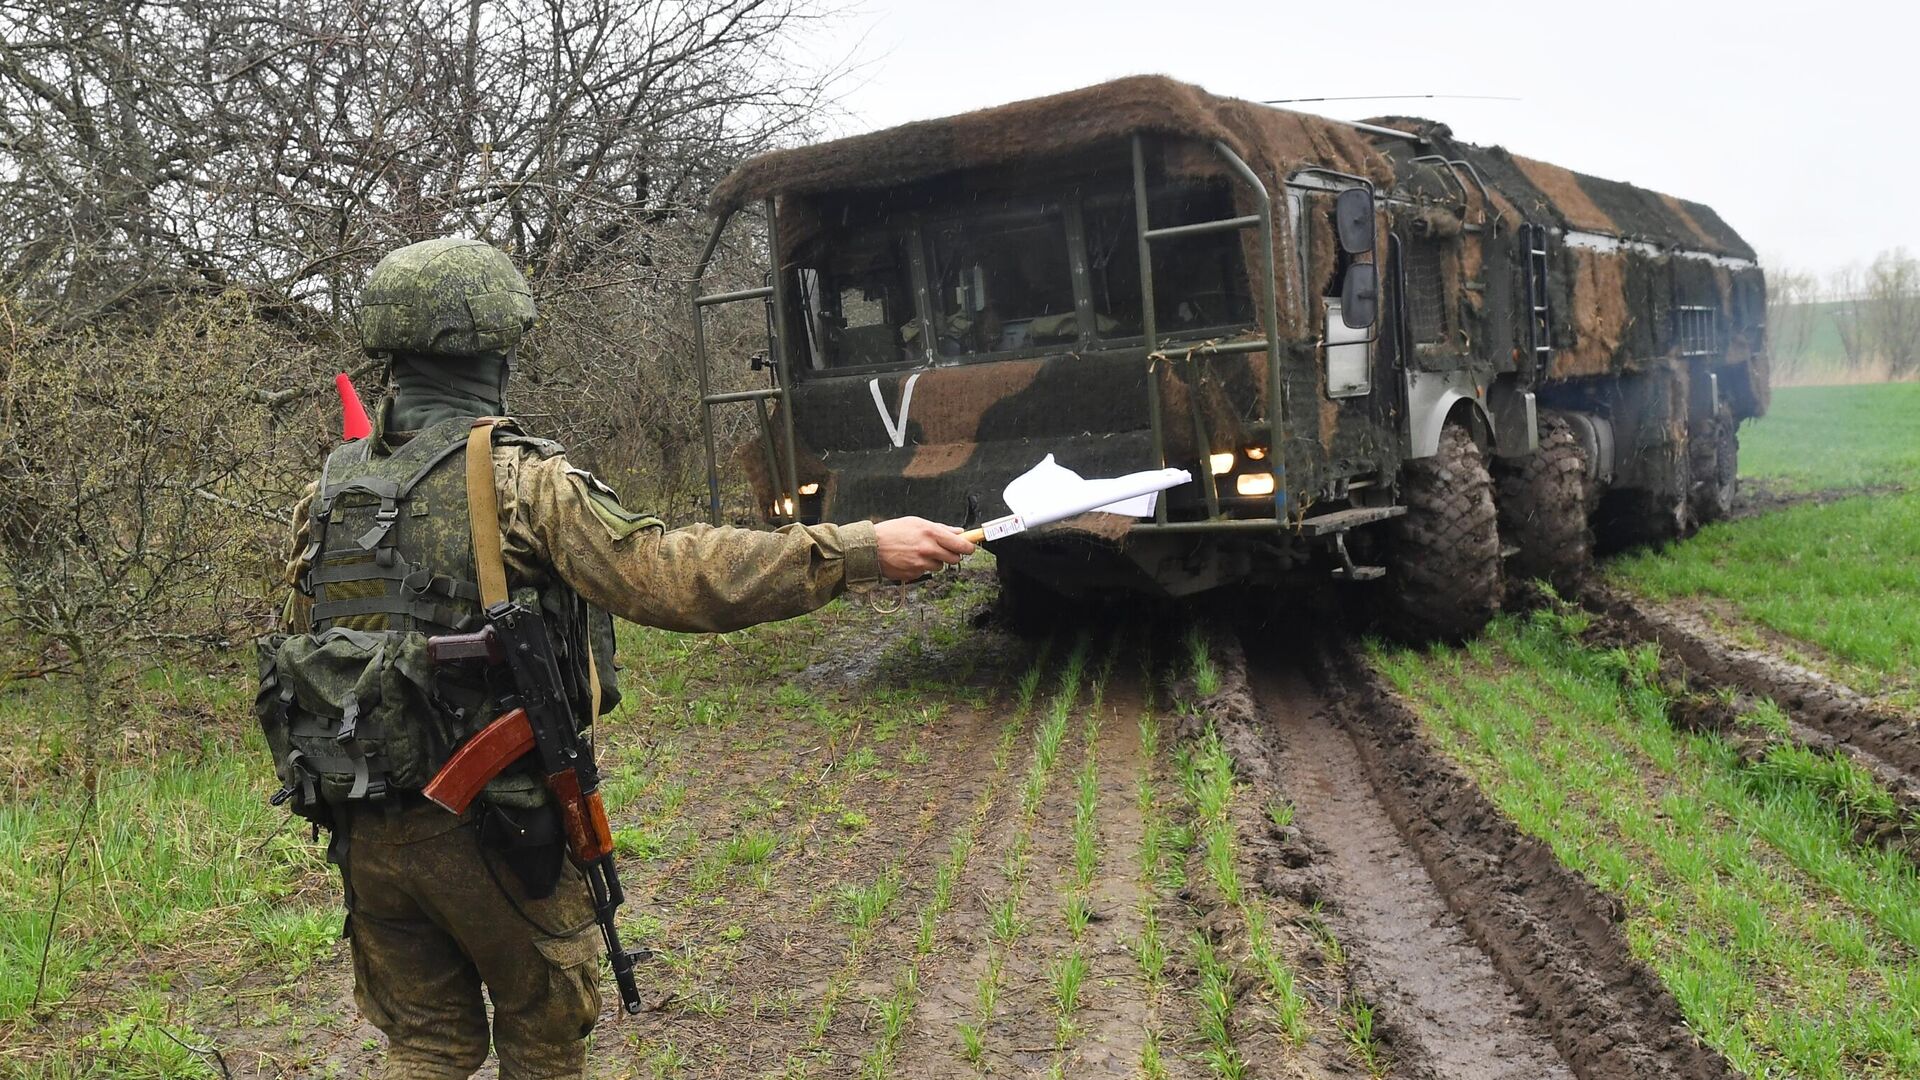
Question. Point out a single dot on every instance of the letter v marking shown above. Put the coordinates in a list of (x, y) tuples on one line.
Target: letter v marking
[(896, 429)]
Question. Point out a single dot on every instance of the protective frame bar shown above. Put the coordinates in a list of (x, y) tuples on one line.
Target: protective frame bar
[(1278, 417), (786, 502)]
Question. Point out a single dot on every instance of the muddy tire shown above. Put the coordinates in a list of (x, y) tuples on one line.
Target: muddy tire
[(1544, 508), (1714, 460), (1445, 560)]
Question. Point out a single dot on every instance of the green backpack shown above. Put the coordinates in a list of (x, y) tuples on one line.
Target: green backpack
[(353, 709)]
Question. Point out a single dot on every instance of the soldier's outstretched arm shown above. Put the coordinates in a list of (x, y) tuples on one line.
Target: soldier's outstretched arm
[(703, 578)]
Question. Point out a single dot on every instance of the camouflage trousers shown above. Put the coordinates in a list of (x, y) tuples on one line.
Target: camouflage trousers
[(433, 918)]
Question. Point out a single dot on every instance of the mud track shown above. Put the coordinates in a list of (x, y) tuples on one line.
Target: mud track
[(1824, 714), (1757, 497), (1486, 956), (1845, 716), (1440, 993)]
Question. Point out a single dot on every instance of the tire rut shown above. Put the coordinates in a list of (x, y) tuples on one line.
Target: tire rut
[(1842, 715), (1555, 939), (1432, 983)]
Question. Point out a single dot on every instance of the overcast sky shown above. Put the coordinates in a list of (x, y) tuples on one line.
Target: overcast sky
[(1795, 121)]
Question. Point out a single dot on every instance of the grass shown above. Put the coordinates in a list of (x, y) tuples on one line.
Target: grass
[(1790, 946), (897, 1012), (173, 854), (1820, 437), (1150, 947), (1357, 1025), (1206, 677), (1066, 979), (862, 907), (1207, 773), (1211, 790), (822, 758), (1214, 996), (1841, 577)]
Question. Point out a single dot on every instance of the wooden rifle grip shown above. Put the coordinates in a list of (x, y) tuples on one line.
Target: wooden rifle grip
[(584, 817)]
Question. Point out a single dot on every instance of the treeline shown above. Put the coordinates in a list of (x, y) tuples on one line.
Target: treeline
[(1861, 323), (194, 192)]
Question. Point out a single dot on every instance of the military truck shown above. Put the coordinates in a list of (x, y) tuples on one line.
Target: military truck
[(1384, 353)]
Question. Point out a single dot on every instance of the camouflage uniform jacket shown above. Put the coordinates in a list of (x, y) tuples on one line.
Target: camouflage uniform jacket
[(559, 520)]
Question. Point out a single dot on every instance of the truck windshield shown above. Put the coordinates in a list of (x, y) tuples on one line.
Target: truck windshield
[(1019, 277), (1001, 283), (1199, 282), (859, 305)]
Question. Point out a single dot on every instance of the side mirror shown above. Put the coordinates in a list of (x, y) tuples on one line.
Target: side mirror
[(1360, 296), (1353, 220)]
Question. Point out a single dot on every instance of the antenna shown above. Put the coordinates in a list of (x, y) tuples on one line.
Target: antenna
[(1392, 97)]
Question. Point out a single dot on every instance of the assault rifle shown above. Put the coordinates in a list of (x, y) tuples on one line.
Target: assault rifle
[(538, 719)]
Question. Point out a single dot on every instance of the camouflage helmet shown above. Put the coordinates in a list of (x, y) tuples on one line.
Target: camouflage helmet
[(447, 296)]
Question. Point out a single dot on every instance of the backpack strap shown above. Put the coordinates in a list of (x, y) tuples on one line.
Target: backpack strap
[(483, 520)]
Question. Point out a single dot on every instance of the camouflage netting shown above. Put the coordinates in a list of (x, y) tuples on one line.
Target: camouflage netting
[(1273, 141), (1576, 201)]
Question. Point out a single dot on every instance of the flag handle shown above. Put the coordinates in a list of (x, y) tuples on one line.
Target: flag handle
[(974, 536)]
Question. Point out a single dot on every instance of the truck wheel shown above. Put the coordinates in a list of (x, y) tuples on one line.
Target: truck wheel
[(1714, 458), (1544, 507), (1446, 548)]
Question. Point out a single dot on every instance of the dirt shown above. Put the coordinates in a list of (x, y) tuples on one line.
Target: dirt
[(1441, 992), (1757, 497), (1554, 938)]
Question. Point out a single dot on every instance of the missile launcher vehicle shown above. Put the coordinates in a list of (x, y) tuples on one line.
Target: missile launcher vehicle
[(1383, 353)]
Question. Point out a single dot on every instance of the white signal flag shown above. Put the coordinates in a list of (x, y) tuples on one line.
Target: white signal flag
[(1051, 492)]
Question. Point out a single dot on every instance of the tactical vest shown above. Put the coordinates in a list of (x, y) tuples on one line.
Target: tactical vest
[(353, 709)]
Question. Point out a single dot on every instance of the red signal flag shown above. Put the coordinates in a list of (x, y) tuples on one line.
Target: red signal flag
[(353, 415)]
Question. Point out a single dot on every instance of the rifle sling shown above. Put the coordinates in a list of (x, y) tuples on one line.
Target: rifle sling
[(483, 519), (483, 512)]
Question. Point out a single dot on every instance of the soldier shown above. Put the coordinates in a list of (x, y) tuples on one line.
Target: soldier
[(441, 905)]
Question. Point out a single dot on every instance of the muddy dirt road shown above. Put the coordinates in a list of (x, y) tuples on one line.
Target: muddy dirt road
[(1192, 851), (1441, 994)]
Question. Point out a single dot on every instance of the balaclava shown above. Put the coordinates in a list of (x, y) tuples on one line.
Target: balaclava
[(429, 388)]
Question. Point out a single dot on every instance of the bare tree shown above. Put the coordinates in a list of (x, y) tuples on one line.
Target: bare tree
[(1846, 295), (152, 147), (1792, 296), (1892, 311), (174, 148)]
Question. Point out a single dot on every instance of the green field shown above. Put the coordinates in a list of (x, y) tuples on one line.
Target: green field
[(924, 822), (1791, 943), (1823, 437), (1833, 583), (1842, 577)]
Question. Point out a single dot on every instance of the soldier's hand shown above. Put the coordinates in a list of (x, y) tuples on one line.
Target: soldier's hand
[(911, 546)]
